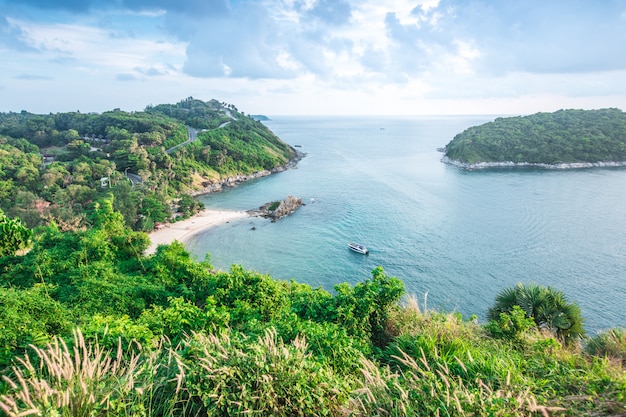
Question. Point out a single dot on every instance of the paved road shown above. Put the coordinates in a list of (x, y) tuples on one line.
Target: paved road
[(192, 135), (134, 178)]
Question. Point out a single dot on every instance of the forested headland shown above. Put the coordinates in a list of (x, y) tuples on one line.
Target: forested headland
[(53, 166), (563, 138), (91, 325)]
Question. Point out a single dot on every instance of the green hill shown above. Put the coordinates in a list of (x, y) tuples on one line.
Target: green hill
[(563, 137), (110, 331), (52, 166), (92, 326)]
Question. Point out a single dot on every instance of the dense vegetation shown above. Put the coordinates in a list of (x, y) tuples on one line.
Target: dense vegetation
[(53, 166), (565, 136), (90, 326)]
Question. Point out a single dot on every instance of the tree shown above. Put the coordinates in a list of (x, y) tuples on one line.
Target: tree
[(547, 306), (13, 235)]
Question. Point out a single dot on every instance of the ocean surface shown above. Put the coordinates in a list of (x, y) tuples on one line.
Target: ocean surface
[(455, 238)]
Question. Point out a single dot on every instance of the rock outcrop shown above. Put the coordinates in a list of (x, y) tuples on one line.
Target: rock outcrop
[(278, 209), (215, 186), (219, 185)]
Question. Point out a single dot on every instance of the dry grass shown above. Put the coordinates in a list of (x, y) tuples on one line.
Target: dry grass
[(84, 380), (424, 388)]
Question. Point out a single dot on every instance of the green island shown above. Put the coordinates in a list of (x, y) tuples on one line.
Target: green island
[(90, 325), (563, 139)]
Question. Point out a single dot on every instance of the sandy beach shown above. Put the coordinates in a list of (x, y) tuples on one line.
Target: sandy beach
[(183, 230)]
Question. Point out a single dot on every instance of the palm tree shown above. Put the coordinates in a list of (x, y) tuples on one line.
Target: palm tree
[(547, 306)]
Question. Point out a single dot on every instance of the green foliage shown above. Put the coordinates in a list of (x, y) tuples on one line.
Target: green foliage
[(27, 317), (274, 206), (251, 297), (610, 343), (182, 318), (364, 309), (87, 380), (95, 154), (511, 325), (111, 332), (166, 335), (565, 136), (13, 235), (425, 389), (196, 113), (262, 377), (547, 306)]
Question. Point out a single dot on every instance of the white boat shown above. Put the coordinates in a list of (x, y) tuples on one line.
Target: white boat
[(358, 248)]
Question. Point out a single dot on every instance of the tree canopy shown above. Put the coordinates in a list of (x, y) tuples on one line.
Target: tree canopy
[(565, 136), (53, 166)]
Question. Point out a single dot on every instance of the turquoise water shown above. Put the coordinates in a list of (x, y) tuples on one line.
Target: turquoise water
[(459, 237)]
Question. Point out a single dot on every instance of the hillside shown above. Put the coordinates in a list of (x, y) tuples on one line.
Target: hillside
[(53, 166), (110, 331), (565, 137), (92, 325)]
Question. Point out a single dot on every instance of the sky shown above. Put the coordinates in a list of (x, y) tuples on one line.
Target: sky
[(314, 57)]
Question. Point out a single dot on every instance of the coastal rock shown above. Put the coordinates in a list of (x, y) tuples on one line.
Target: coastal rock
[(278, 209), (511, 164), (215, 186), (218, 185)]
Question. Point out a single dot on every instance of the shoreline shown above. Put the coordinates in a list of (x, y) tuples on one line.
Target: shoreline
[(183, 230), (510, 164)]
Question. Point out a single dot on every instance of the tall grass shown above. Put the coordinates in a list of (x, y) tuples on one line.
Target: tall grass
[(422, 389), (436, 365), (610, 344), (263, 377), (86, 380)]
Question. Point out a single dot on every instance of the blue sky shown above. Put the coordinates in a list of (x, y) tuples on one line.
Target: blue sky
[(279, 57)]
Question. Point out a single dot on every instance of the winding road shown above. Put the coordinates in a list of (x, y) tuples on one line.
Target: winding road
[(192, 136)]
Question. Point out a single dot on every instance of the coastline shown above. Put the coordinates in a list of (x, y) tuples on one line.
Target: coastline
[(183, 230), (510, 164)]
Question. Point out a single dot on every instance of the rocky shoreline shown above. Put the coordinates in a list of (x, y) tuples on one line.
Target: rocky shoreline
[(510, 164), (275, 210), (218, 185)]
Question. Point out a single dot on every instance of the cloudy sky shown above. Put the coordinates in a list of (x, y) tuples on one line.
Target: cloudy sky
[(280, 57)]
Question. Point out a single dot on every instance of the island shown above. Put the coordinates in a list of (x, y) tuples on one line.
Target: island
[(562, 139)]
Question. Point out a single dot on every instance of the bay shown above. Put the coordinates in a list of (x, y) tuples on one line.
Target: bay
[(455, 238)]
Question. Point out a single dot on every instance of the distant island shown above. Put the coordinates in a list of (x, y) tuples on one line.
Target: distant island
[(563, 139), (260, 117)]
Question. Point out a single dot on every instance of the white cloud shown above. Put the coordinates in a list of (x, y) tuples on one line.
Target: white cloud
[(92, 49), (323, 55)]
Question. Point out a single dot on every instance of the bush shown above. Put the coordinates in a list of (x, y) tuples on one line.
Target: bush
[(512, 325), (262, 377), (547, 306), (609, 343)]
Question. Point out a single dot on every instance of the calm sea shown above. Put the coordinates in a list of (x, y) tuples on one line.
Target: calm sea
[(455, 238)]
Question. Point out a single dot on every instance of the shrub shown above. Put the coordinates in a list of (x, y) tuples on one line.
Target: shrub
[(511, 325), (263, 377), (547, 306), (610, 343)]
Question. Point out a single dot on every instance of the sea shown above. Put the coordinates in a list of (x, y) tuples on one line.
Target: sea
[(456, 238)]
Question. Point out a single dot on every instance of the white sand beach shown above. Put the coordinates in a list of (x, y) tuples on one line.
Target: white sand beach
[(183, 230)]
